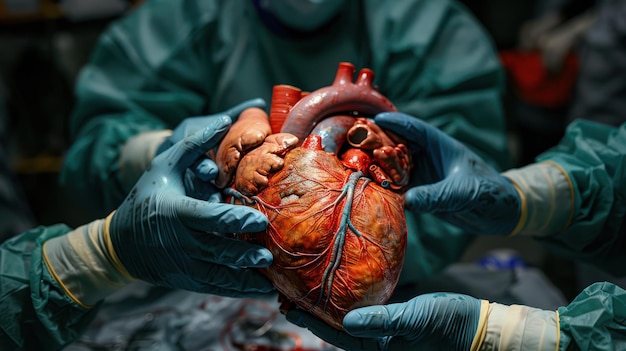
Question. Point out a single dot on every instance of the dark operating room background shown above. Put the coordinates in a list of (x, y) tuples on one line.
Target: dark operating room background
[(44, 43)]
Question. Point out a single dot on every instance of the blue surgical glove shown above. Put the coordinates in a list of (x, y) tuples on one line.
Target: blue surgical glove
[(139, 150), (451, 181), (190, 125), (162, 236), (438, 321)]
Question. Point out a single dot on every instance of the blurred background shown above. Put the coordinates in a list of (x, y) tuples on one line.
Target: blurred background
[(44, 43)]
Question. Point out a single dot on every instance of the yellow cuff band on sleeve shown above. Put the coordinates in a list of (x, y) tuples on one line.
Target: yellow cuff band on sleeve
[(82, 266), (547, 199), (57, 277), (112, 255), (481, 331), (521, 328)]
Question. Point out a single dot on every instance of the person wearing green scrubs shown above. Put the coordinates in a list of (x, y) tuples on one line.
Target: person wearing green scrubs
[(54, 279), (572, 199), (163, 67)]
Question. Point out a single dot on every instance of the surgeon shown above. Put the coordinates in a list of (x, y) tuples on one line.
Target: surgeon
[(573, 199), (160, 70), (53, 279)]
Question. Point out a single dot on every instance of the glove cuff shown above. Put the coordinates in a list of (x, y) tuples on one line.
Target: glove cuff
[(109, 250), (547, 197), (137, 153), (80, 262), (516, 327)]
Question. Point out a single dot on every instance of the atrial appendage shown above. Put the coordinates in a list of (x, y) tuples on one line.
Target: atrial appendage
[(247, 133), (257, 165)]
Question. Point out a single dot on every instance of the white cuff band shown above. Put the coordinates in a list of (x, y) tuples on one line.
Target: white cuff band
[(520, 328), (79, 264), (547, 198), (137, 153)]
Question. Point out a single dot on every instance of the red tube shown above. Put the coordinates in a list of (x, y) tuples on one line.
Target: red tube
[(344, 74), (382, 178), (283, 98)]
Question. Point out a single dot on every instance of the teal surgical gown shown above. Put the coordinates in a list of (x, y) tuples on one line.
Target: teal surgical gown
[(36, 315), (594, 156), (169, 60)]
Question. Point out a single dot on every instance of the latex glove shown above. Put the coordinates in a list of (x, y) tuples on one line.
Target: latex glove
[(139, 150), (166, 238), (204, 169), (452, 181), (198, 181), (192, 124), (439, 321), (160, 235)]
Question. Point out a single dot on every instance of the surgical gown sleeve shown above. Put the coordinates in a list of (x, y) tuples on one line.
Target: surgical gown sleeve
[(143, 75), (594, 157), (36, 313), (594, 320)]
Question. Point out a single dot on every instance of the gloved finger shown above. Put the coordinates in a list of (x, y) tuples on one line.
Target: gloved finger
[(413, 130), (200, 189), (237, 281), (380, 321), (216, 198), (419, 135), (230, 252), (185, 152), (330, 334), (219, 218), (439, 197), (235, 111), (205, 169)]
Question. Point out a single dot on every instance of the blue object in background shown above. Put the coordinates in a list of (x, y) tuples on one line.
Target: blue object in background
[(501, 259)]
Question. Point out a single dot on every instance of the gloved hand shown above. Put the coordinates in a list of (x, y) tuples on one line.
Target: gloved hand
[(439, 321), (164, 237), (190, 125), (139, 150), (160, 235), (452, 181)]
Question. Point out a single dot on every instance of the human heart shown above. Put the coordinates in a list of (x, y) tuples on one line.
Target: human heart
[(330, 182)]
